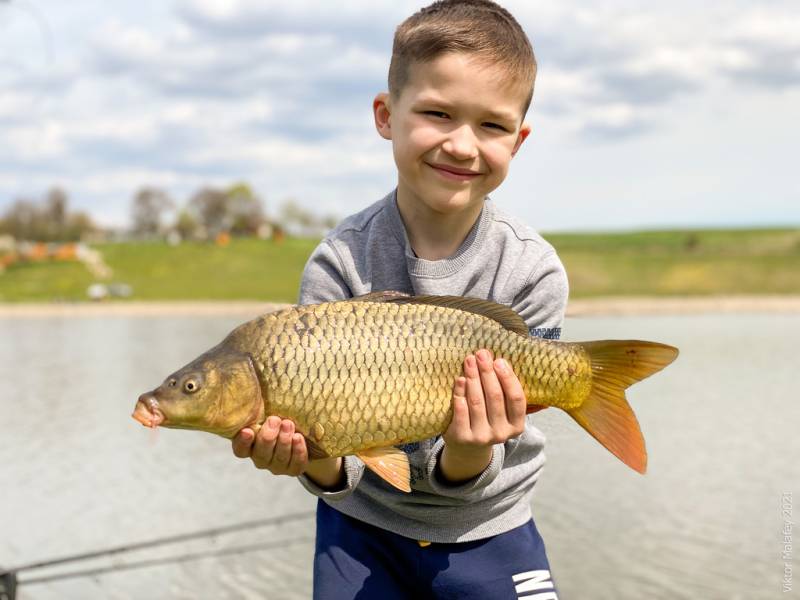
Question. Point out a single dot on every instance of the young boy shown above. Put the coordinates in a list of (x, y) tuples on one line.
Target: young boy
[(460, 83)]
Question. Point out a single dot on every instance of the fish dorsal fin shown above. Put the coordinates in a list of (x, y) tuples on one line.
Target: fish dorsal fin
[(486, 308), (390, 464), (384, 296)]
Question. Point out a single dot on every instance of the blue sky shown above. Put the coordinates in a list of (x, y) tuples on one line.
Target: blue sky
[(645, 115)]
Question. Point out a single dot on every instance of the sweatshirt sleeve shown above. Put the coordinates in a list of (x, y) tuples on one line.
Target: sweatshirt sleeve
[(323, 281), (353, 472), (471, 489), (542, 301), (323, 277)]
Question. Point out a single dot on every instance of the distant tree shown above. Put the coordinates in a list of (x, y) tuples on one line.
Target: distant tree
[(294, 217), (148, 209), (78, 225), (55, 212), (301, 221), (208, 207), (20, 220), (47, 221), (186, 225), (244, 210)]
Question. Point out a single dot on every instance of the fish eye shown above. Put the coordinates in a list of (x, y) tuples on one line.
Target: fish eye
[(190, 386)]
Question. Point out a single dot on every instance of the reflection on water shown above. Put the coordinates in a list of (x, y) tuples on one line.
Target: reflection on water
[(77, 474)]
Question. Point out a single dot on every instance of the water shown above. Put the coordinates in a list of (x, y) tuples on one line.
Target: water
[(77, 474)]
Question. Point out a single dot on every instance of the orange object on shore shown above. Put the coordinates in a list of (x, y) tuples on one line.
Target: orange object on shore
[(8, 259), (223, 239), (66, 252), (38, 252)]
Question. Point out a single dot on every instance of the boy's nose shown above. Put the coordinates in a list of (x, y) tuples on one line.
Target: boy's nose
[(461, 143)]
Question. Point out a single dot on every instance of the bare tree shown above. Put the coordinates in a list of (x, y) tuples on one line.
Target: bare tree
[(148, 209), (46, 221), (23, 220), (245, 211), (55, 212), (301, 221), (207, 206)]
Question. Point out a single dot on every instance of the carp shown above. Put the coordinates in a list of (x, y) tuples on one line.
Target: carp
[(364, 375)]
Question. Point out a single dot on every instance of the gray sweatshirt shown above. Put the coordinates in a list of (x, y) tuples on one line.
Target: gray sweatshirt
[(501, 260)]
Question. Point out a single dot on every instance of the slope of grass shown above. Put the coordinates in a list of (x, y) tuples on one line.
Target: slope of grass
[(654, 263), (698, 262)]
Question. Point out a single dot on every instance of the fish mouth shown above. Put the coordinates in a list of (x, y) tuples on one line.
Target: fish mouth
[(147, 411)]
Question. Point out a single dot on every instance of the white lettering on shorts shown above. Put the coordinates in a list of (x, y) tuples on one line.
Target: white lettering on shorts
[(533, 581)]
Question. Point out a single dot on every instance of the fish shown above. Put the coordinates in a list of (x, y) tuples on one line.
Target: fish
[(365, 375)]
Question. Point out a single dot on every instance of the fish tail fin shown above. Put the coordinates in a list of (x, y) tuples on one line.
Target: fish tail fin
[(605, 414)]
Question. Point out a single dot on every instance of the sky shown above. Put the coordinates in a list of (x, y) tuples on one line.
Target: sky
[(645, 115)]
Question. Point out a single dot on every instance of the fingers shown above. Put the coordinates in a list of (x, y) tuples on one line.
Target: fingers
[(283, 447), (277, 447), (264, 448), (475, 401), (492, 390), (460, 420), (515, 401), (243, 442), (299, 459)]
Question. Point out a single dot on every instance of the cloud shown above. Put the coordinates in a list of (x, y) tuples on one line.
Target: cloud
[(370, 24), (592, 57), (279, 93)]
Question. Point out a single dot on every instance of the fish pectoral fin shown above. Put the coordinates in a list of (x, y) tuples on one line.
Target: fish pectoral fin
[(390, 464), (315, 451)]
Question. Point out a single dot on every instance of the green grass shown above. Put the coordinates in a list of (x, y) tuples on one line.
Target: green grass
[(247, 269), (651, 263), (698, 262)]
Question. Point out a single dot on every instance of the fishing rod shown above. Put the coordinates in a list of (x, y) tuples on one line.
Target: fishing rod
[(9, 580)]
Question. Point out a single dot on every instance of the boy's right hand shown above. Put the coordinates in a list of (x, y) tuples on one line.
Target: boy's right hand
[(276, 447)]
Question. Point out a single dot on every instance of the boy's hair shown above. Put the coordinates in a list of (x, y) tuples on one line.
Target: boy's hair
[(478, 27)]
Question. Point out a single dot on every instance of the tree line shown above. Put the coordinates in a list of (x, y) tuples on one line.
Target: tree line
[(210, 211)]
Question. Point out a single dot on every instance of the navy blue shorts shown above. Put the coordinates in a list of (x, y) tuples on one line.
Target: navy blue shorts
[(355, 560)]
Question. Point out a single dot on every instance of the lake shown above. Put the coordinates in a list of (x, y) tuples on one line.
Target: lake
[(77, 474)]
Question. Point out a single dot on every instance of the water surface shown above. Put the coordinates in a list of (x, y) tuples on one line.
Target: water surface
[(77, 474)]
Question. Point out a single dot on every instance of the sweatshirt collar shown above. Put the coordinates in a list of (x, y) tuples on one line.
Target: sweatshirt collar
[(446, 266)]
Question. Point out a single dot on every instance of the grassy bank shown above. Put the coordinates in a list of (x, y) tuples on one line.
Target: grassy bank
[(673, 263), (245, 269), (663, 263)]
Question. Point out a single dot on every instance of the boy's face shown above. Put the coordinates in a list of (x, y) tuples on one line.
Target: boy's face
[(454, 129)]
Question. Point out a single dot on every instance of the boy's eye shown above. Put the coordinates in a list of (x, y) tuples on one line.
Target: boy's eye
[(495, 126), (436, 113)]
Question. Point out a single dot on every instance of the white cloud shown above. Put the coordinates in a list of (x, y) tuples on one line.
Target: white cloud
[(279, 93)]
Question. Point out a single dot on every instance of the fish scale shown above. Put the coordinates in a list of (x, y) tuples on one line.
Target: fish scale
[(371, 373)]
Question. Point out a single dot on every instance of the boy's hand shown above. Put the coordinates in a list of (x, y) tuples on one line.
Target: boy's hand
[(488, 408), (276, 447)]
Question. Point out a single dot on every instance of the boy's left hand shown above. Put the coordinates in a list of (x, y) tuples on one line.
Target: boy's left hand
[(488, 408)]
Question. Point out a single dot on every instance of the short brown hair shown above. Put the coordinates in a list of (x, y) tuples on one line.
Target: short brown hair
[(478, 27)]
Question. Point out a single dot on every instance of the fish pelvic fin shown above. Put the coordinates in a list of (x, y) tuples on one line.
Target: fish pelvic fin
[(605, 414), (390, 464)]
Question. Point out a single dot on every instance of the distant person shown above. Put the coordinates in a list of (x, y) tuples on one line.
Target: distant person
[(460, 83)]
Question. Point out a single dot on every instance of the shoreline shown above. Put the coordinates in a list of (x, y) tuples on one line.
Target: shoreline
[(605, 306)]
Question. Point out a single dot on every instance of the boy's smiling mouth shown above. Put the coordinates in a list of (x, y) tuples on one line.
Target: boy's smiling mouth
[(453, 173)]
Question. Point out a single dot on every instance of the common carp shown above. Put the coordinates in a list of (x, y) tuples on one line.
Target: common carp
[(364, 375)]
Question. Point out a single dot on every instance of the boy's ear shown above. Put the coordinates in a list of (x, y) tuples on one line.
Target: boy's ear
[(524, 132), (381, 112)]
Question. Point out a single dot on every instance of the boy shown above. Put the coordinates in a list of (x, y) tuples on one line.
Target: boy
[(460, 83)]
